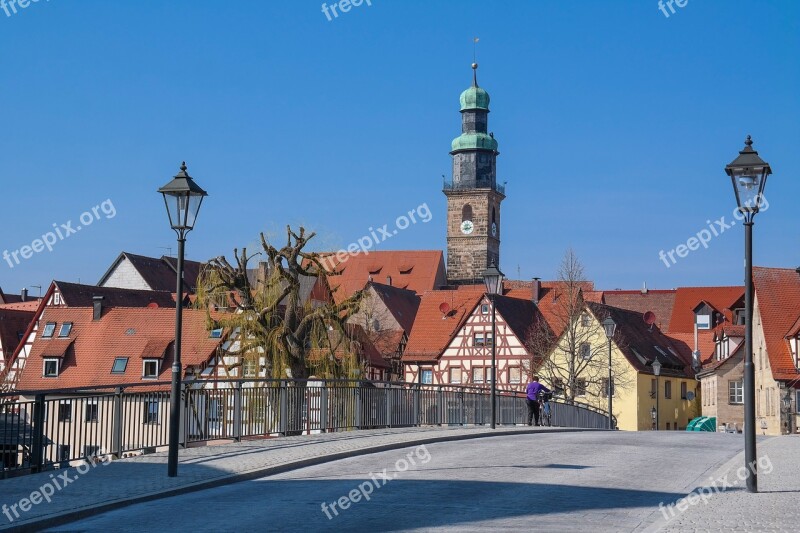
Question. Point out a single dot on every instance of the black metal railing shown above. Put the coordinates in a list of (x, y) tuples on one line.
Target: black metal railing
[(50, 429), (450, 185)]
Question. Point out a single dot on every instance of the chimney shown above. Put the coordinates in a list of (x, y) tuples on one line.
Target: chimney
[(97, 303), (24, 295), (389, 280), (262, 274), (536, 290), (644, 287)]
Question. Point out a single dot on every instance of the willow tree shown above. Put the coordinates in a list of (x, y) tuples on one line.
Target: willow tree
[(280, 330)]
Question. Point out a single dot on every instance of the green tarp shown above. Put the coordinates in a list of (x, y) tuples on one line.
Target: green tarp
[(703, 423)]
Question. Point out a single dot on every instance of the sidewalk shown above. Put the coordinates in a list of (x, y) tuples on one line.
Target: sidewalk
[(773, 508), (92, 490)]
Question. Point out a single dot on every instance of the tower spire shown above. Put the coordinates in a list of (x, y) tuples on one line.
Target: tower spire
[(475, 61)]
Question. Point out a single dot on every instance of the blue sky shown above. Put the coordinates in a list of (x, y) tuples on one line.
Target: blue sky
[(614, 124)]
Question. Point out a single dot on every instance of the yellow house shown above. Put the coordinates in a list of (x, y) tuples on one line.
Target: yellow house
[(640, 397)]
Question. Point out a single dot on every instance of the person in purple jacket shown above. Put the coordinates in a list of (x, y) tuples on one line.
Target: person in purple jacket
[(533, 390)]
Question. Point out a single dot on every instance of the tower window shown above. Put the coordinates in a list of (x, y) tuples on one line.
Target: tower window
[(466, 213)]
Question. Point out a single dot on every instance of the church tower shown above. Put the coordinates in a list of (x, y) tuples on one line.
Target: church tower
[(473, 195)]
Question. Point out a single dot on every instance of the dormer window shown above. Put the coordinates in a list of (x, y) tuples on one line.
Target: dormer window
[(150, 369), (49, 329), (703, 321), (50, 369), (216, 333), (119, 366), (66, 327)]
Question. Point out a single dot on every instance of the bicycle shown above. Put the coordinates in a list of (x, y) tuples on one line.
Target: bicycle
[(545, 413)]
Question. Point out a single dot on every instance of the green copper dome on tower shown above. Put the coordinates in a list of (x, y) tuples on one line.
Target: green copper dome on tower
[(474, 97)]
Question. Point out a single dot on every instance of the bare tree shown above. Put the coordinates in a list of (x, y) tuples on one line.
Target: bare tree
[(571, 352), (274, 324)]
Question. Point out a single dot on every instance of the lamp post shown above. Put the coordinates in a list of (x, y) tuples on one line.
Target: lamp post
[(182, 197), (493, 279), (657, 372), (748, 174), (610, 326)]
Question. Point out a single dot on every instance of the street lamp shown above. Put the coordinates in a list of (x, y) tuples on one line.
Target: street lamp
[(610, 326), (182, 197), (493, 279), (748, 174), (657, 372)]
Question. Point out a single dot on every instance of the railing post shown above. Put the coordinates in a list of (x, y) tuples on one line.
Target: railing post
[(323, 408), (237, 411), (440, 401), (117, 425), (417, 392), (283, 422), (389, 405), (183, 420), (37, 437), (359, 407), (462, 407)]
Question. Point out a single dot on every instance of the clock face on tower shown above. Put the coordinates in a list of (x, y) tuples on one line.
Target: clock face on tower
[(494, 229), (467, 227)]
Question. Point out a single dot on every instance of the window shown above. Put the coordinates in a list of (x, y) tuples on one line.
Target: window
[(90, 451), (66, 327), (150, 369), (120, 364), (63, 452), (65, 411), (466, 213), (478, 374), (668, 425), (585, 351), (91, 411), (703, 321), (427, 377), (653, 387), (478, 339), (49, 328), (585, 320), (216, 333), (484, 309), (514, 374), (455, 375), (489, 339), (150, 412), (249, 368), (50, 369), (604, 388), (683, 390), (580, 387), (558, 386), (668, 389)]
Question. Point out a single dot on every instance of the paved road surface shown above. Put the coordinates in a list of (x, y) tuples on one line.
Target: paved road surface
[(557, 482)]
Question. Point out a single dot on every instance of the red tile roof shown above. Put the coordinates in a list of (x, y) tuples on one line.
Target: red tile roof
[(778, 300), (659, 302), (418, 271), (642, 344), (687, 299), (89, 351), (433, 329), (30, 305), (401, 303)]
